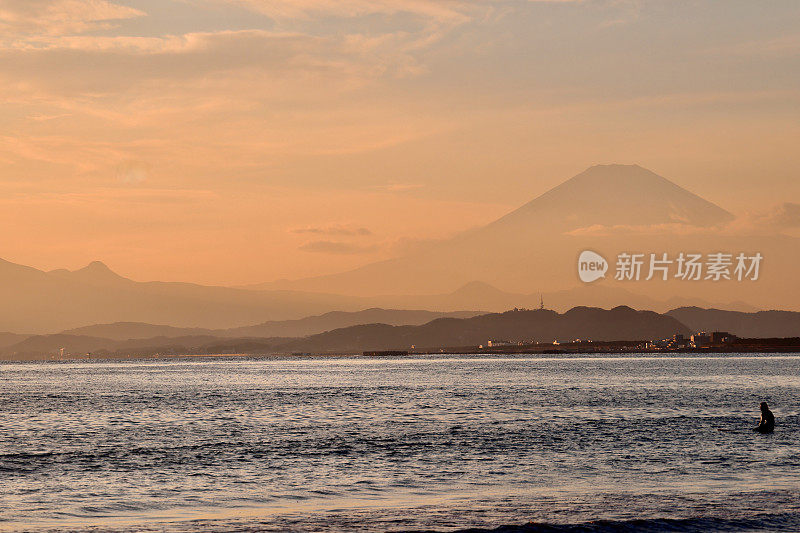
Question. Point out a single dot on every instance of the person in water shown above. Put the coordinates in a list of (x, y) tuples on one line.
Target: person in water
[(767, 423)]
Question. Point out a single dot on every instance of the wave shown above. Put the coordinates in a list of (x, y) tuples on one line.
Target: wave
[(766, 522)]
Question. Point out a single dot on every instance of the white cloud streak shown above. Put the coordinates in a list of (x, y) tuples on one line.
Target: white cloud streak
[(60, 17)]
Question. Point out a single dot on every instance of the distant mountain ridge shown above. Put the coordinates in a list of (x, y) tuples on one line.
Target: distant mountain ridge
[(121, 331), (761, 324), (279, 328), (501, 265), (38, 302), (95, 273), (340, 319), (541, 325), (9, 339), (620, 323), (35, 301)]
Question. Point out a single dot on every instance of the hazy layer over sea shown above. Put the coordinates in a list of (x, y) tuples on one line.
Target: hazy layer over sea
[(396, 444)]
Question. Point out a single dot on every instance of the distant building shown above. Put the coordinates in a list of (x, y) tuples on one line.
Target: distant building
[(701, 339), (658, 344), (494, 344), (722, 337), (677, 342)]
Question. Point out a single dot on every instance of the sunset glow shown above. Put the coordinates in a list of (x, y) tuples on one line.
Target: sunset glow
[(242, 141)]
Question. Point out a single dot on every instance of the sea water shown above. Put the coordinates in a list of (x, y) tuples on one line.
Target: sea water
[(418, 443)]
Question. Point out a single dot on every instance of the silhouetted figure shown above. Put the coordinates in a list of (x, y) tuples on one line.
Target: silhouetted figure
[(767, 423)]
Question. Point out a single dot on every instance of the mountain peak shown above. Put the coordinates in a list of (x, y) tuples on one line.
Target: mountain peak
[(616, 166), (619, 175), (96, 267), (95, 273), (617, 195), (477, 288)]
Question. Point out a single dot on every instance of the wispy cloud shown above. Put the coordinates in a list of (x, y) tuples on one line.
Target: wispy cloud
[(785, 216), (132, 173), (453, 11), (59, 17), (600, 230), (782, 217), (39, 117), (95, 65), (338, 248), (439, 9)]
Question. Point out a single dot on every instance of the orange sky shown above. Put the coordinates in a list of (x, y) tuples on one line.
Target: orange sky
[(230, 142)]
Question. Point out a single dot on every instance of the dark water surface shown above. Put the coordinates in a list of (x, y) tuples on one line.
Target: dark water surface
[(579, 443)]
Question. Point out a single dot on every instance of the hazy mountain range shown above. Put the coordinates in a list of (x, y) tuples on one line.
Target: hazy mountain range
[(34, 301), (620, 323), (609, 209), (588, 323), (513, 262), (277, 328), (458, 329), (764, 324)]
